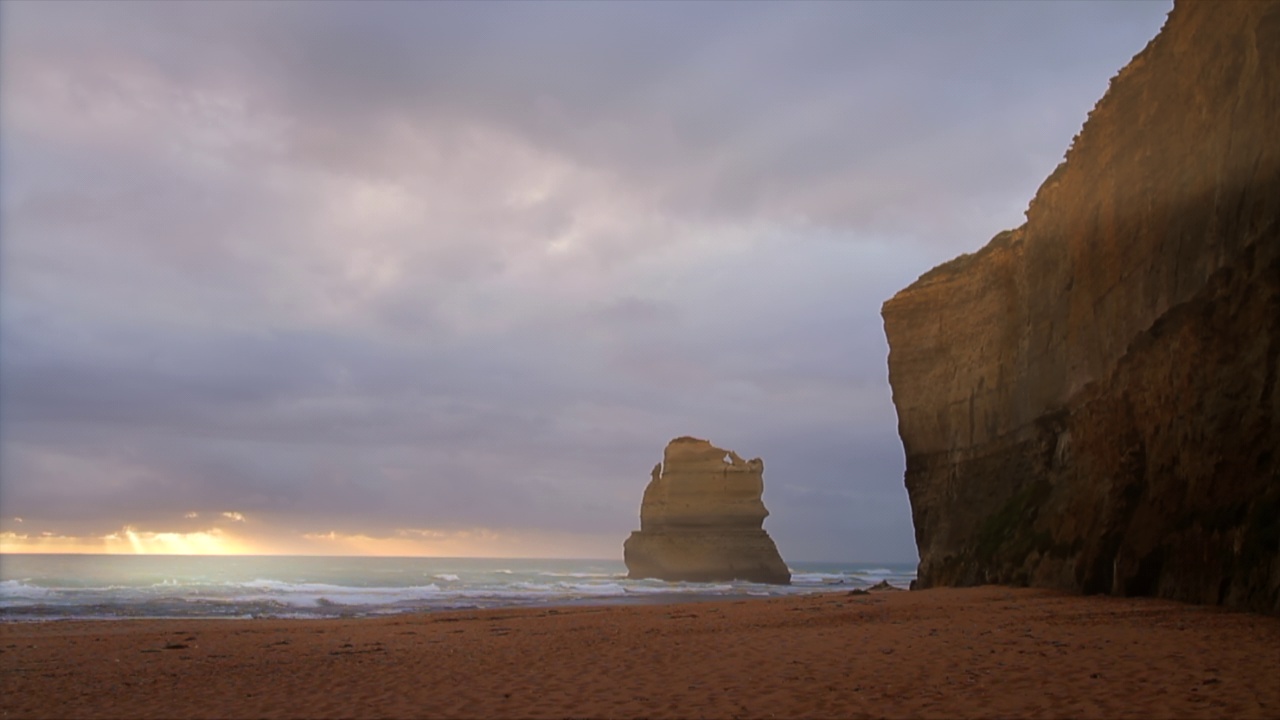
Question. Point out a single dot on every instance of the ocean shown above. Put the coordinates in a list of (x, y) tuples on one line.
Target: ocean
[(58, 587)]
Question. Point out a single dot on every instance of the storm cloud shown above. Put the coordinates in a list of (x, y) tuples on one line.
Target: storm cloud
[(403, 270)]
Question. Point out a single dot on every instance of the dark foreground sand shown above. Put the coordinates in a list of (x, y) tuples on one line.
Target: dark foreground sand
[(940, 653)]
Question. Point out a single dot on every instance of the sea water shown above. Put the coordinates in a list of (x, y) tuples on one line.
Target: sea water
[(52, 587)]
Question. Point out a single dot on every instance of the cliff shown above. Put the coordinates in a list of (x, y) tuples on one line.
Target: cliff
[(702, 519), (1090, 401)]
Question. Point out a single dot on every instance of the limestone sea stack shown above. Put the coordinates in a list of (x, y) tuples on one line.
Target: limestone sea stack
[(1090, 402), (702, 518)]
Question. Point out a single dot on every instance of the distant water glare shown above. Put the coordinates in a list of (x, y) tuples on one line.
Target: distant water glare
[(53, 587)]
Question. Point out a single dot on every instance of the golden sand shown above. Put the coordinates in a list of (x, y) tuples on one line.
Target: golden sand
[(982, 652)]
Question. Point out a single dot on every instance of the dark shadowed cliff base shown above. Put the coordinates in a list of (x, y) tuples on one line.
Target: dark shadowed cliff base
[(1090, 401)]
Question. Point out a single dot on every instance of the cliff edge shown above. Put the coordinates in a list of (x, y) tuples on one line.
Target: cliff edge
[(701, 519), (1090, 401)]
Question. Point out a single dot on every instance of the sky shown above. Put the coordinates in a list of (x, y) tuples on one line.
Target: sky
[(444, 279)]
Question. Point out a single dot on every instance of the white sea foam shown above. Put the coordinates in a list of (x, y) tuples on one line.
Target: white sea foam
[(530, 586), (15, 593), (595, 590), (667, 589), (316, 594), (39, 589), (818, 578)]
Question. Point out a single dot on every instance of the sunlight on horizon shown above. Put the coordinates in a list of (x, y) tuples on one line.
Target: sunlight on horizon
[(476, 543), (128, 541)]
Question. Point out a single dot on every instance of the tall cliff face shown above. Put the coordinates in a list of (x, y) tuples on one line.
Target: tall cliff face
[(1090, 401), (702, 518)]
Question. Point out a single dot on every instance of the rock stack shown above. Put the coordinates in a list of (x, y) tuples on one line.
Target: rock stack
[(701, 519)]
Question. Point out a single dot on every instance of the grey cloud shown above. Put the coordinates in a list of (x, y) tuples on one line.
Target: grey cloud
[(365, 266), (707, 108)]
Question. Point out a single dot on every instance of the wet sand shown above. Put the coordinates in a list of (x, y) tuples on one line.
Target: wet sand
[(982, 652)]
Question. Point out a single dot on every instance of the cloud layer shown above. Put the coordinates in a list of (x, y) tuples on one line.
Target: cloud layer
[(434, 270)]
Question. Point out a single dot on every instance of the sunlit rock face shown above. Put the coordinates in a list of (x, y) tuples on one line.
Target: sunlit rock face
[(702, 519), (1090, 401)]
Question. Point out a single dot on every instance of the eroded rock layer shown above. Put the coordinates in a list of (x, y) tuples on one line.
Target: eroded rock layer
[(701, 519), (1090, 401)]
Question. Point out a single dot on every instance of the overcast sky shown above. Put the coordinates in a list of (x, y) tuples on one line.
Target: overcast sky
[(445, 278)]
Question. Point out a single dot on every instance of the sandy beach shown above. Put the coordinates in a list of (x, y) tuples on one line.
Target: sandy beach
[(982, 652)]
